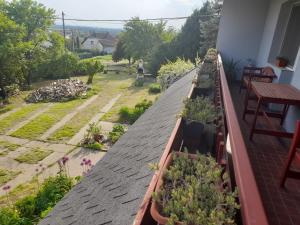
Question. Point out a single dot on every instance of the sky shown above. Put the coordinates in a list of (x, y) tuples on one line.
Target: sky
[(122, 9)]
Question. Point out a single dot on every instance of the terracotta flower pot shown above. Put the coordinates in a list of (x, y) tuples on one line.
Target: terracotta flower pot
[(281, 62), (155, 207)]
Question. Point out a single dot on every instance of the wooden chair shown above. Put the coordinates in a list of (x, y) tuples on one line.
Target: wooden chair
[(293, 155), (261, 74)]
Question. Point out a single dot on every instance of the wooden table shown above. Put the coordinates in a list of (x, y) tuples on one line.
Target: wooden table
[(283, 94)]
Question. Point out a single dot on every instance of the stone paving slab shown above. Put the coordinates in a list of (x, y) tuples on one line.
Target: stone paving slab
[(67, 118), (14, 140), (32, 117)]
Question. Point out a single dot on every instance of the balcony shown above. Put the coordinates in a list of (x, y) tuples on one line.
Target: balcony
[(254, 166)]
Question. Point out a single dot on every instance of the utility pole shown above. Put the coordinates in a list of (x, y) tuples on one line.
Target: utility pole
[(64, 30)]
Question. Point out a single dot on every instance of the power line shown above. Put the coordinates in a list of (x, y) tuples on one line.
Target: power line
[(126, 20)]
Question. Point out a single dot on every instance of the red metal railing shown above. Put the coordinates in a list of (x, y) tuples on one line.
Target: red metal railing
[(252, 210)]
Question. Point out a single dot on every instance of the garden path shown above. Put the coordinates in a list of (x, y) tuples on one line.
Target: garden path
[(68, 117), (2, 116), (79, 136), (75, 154), (32, 117)]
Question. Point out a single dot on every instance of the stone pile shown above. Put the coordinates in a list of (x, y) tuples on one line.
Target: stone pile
[(58, 91)]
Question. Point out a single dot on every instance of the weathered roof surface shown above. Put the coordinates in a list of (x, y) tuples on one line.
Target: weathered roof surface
[(113, 191)]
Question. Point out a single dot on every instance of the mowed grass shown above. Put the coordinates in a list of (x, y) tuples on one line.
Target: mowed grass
[(7, 175), (130, 98), (33, 156), (18, 116), (6, 147), (42, 123), (111, 85)]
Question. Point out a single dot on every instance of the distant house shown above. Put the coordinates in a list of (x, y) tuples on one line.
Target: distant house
[(101, 42)]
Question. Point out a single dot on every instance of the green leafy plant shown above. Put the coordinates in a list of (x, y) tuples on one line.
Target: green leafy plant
[(139, 82), (93, 137), (27, 207), (199, 109), (195, 192), (117, 131), (154, 88), (173, 71), (52, 191), (9, 216), (211, 56), (130, 115)]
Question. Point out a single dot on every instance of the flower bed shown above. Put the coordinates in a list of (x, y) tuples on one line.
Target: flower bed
[(192, 190)]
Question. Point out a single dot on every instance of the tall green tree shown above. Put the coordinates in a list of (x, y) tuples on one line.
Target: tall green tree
[(209, 28), (139, 38), (12, 51), (35, 18)]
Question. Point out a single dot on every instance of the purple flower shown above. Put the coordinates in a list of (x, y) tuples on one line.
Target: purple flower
[(5, 188), (81, 164), (83, 160)]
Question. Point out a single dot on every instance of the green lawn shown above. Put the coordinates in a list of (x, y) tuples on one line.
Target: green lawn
[(111, 85), (7, 175), (6, 147), (33, 156), (130, 98), (42, 123), (18, 116)]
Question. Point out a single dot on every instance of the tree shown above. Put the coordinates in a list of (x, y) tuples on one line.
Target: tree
[(209, 29), (120, 53), (35, 18), (12, 50), (92, 69), (139, 37)]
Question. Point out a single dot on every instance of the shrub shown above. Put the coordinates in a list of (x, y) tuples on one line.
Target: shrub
[(26, 207), (10, 216), (52, 191), (130, 115), (61, 67), (139, 82), (117, 131), (173, 71), (154, 88), (199, 109), (195, 192)]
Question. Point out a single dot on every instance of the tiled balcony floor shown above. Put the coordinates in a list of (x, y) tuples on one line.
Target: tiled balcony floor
[(267, 155)]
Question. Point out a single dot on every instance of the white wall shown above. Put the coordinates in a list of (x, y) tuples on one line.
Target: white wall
[(268, 33), (241, 29)]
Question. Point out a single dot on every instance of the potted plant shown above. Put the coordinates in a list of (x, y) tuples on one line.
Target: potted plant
[(281, 61), (197, 113), (204, 86), (191, 190)]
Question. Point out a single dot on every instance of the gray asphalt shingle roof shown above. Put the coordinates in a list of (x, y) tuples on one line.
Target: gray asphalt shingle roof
[(113, 191)]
